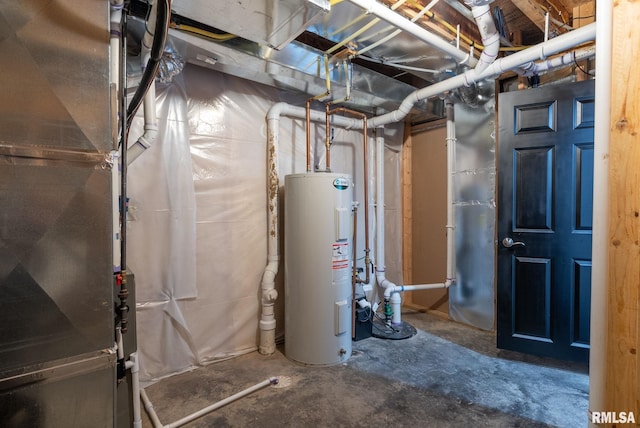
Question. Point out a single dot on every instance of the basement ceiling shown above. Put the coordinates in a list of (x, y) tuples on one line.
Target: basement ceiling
[(292, 43)]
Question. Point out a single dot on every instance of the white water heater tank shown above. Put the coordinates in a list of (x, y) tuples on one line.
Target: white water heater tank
[(317, 266)]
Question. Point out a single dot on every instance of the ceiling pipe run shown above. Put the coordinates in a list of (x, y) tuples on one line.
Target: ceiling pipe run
[(388, 15), (499, 66)]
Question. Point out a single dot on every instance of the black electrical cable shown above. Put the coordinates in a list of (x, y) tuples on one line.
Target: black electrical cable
[(123, 292), (580, 67), (384, 322), (163, 18)]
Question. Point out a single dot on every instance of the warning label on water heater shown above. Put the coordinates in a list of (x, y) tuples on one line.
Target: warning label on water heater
[(340, 259)]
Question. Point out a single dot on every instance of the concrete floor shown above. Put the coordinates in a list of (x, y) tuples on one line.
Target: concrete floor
[(448, 375)]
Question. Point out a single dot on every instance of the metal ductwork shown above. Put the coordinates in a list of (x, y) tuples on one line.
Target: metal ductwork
[(265, 51), (266, 22), (56, 273)]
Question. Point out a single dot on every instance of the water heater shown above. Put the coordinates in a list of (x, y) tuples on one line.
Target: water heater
[(317, 265)]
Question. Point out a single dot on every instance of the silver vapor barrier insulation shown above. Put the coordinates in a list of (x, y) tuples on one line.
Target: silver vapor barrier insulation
[(471, 298), (56, 286)]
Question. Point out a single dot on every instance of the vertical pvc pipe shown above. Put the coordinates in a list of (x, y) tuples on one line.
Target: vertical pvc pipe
[(268, 286), (380, 267), (451, 221), (600, 258), (135, 390)]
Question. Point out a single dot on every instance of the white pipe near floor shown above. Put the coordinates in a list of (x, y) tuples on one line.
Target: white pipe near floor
[(193, 416), (148, 406), (134, 366), (389, 291), (600, 244)]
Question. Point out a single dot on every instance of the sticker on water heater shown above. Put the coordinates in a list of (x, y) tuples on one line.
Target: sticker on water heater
[(340, 258), (341, 183)]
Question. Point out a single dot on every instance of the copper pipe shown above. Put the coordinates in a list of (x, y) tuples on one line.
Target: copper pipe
[(354, 272), (367, 250), (308, 129), (327, 143)]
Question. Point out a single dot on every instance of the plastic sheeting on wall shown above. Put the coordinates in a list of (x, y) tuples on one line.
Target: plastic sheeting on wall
[(198, 223), (471, 299)]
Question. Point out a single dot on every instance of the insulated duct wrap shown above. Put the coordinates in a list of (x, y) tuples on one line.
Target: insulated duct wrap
[(471, 298)]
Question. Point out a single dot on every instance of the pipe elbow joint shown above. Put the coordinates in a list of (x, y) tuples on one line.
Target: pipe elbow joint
[(269, 296), (276, 110)]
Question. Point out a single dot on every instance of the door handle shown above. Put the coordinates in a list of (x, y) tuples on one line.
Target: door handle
[(508, 243)]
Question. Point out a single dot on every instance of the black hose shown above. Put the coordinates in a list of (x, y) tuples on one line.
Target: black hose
[(163, 17), (123, 292)]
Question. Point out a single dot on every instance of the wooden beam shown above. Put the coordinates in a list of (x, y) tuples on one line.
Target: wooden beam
[(558, 10), (407, 211), (582, 15), (623, 279), (533, 11)]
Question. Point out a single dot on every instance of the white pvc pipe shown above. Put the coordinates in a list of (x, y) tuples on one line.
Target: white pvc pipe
[(534, 68), (268, 286), (600, 243), (451, 219), (149, 102), (394, 289), (221, 403), (396, 308), (148, 406), (489, 35), (396, 32), (134, 366), (380, 258), (114, 41), (393, 18), (546, 26), (114, 61), (499, 66), (269, 293)]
